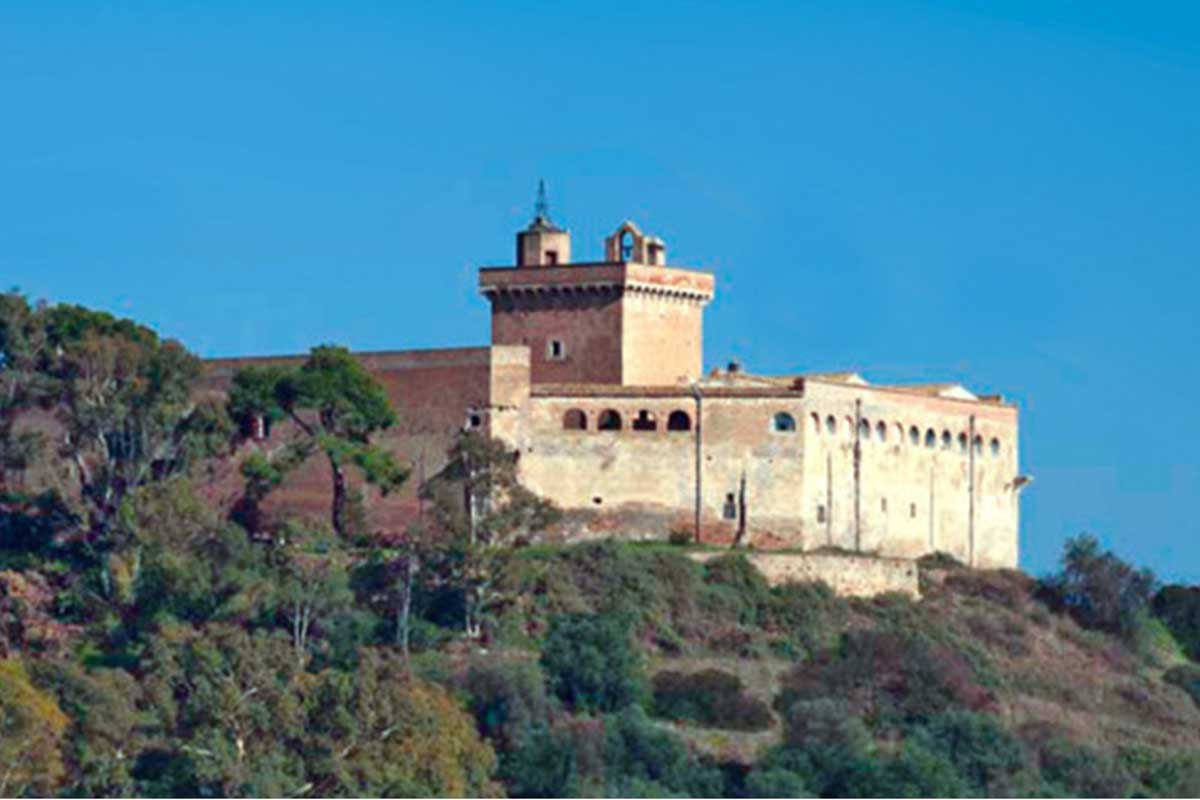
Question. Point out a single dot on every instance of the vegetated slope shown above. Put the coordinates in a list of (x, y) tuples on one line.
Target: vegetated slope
[(877, 696)]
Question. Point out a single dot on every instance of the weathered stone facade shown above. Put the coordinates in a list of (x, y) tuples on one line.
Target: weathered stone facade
[(595, 376)]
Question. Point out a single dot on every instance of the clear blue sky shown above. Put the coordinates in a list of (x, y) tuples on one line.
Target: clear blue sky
[(1004, 194)]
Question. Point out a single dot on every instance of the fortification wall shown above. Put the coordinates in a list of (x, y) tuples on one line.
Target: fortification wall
[(913, 496), (436, 394), (794, 486), (847, 575)]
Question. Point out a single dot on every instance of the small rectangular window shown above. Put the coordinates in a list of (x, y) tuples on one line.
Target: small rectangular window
[(555, 350), (730, 509), (551, 257), (883, 504), (912, 510), (820, 513)]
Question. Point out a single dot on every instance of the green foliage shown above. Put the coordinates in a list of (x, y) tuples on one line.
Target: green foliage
[(31, 732), (989, 759), (106, 726), (508, 699), (1069, 769), (591, 663), (484, 512), (337, 406), (889, 678), (378, 733), (711, 698), (642, 760), (1186, 677), (1179, 608), (1098, 589)]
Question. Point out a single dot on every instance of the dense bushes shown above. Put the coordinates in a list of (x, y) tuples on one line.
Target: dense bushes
[(711, 698), (889, 677), (1098, 589), (591, 663), (1179, 609)]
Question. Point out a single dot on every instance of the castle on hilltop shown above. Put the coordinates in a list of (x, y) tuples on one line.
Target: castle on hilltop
[(595, 376)]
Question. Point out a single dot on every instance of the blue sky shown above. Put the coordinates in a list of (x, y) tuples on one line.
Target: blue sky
[(1005, 194)]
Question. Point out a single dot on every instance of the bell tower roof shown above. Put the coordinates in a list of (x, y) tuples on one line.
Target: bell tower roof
[(541, 214)]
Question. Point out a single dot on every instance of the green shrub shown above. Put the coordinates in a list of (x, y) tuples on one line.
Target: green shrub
[(1186, 677), (1098, 589), (1076, 770), (1179, 609), (507, 698), (743, 581), (890, 676), (642, 760), (591, 663), (985, 755), (711, 698)]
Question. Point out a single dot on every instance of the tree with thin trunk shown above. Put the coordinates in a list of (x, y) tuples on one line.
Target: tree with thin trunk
[(484, 511), (337, 407)]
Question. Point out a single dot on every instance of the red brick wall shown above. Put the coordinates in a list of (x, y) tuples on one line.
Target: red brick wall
[(587, 323), (431, 390)]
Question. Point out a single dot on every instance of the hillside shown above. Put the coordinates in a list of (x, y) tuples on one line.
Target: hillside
[(157, 642)]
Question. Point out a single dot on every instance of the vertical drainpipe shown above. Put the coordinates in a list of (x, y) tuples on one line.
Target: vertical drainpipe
[(857, 475), (971, 492), (699, 459)]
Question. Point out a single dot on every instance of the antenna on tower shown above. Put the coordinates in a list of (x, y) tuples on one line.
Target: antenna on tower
[(542, 209)]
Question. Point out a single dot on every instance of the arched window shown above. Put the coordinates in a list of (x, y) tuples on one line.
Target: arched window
[(609, 421), (830, 424), (962, 443), (930, 438), (574, 420), (816, 421), (679, 421), (995, 447), (978, 445), (645, 421), (864, 430), (627, 246), (881, 430), (947, 440), (914, 435), (784, 422)]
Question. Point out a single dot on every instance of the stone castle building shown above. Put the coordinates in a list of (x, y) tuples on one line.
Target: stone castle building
[(595, 375)]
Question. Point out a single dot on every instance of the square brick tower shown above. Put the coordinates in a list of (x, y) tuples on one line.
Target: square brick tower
[(628, 320)]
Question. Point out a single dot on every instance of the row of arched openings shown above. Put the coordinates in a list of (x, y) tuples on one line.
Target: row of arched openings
[(576, 419), (880, 432)]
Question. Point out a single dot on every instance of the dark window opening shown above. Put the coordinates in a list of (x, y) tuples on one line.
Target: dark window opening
[(912, 510), (730, 509), (474, 421), (883, 504), (679, 421), (574, 420), (555, 350), (609, 421), (627, 246), (645, 421), (820, 513), (784, 422), (551, 257), (930, 438)]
